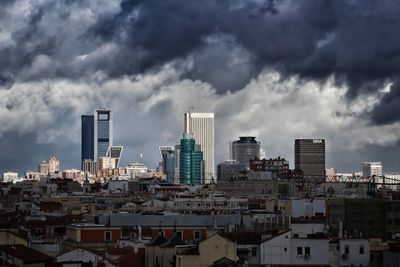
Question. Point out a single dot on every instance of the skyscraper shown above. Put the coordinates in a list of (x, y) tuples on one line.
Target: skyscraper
[(168, 162), (102, 132), (245, 149), (87, 138), (201, 126), (309, 156), (191, 162)]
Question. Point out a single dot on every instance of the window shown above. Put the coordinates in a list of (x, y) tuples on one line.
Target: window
[(179, 233), (285, 249), (307, 251), (296, 235), (196, 235), (254, 252), (361, 250), (107, 236), (346, 249), (299, 250)]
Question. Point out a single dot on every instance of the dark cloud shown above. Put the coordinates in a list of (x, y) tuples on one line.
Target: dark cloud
[(222, 42), (357, 41), (388, 109)]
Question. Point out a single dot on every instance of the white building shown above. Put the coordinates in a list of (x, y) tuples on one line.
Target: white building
[(354, 252), (201, 125), (136, 169), (372, 168), (285, 250), (10, 177)]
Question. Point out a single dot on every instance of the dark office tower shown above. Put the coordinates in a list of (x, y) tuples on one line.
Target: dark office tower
[(102, 132), (87, 139), (309, 156), (191, 169), (167, 154), (244, 149)]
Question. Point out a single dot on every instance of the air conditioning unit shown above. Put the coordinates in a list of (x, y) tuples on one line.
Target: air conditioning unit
[(345, 257), (307, 256)]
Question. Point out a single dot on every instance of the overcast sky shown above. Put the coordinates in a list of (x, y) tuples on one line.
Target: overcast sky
[(277, 70)]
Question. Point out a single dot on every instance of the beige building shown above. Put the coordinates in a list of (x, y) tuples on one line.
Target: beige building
[(201, 126), (51, 166), (206, 253), (107, 163)]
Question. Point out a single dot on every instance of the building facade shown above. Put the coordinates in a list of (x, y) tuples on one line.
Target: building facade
[(372, 168), (279, 167), (201, 126), (309, 157), (245, 149), (228, 169)]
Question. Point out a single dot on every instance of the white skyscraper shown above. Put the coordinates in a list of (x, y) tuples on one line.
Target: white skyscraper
[(201, 125)]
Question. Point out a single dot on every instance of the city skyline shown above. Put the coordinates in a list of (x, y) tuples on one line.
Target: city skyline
[(323, 79)]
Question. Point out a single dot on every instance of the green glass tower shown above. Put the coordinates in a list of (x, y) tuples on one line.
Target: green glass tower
[(191, 161)]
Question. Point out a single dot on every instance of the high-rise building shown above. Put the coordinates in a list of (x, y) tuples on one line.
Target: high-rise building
[(87, 141), (201, 126), (309, 156), (372, 168), (245, 149), (167, 154), (102, 132), (191, 162)]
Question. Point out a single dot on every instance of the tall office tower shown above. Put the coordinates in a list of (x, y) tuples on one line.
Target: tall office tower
[(372, 168), (167, 162), (115, 152), (87, 152), (245, 149), (201, 126), (191, 162), (309, 156), (102, 132)]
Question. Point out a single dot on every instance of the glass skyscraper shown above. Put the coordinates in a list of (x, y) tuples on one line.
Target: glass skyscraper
[(87, 138), (191, 167), (103, 132), (168, 162)]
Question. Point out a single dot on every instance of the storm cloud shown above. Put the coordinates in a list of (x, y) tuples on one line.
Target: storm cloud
[(61, 59)]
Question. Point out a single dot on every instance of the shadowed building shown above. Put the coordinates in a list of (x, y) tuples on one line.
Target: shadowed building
[(309, 155), (245, 149)]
